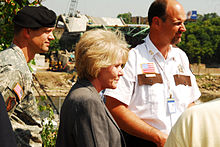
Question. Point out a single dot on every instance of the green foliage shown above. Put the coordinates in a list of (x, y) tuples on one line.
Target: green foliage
[(8, 9), (49, 131), (55, 45), (201, 41), (126, 17)]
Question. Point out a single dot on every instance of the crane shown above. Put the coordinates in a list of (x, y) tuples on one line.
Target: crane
[(72, 7)]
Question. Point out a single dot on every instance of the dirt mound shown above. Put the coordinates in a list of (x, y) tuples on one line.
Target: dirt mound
[(209, 85), (54, 83), (59, 84)]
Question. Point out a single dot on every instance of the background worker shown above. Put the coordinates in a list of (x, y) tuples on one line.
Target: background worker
[(33, 26), (157, 85)]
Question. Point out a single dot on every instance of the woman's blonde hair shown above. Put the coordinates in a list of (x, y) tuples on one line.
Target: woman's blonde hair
[(98, 49)]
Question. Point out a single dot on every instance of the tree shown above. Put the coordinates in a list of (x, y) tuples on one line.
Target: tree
[(8, 9), (126, 17), (201, 40)]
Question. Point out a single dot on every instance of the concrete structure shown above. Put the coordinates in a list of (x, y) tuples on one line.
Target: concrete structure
[(69, 28), (79, 22)]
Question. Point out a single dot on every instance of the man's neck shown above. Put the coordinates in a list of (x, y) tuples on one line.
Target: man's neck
[(162, 47), (28, 54), (164, 51)]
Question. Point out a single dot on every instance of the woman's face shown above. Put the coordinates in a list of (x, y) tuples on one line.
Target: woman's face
[(109, 76)]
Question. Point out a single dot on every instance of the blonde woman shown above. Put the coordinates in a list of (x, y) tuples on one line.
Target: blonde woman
[(84, 120)]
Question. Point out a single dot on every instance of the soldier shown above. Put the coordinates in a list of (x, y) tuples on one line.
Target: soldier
[(33, 28)]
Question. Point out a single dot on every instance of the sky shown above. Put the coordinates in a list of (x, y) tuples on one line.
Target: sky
[(111, 8)]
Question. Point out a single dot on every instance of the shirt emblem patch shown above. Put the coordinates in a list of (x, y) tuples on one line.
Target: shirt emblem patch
[(151, 52), (180, 68)]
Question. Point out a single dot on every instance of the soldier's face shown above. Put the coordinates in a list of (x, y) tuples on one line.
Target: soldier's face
[(40, 39)]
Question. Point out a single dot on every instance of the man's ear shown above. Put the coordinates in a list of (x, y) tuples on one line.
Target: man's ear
[(26, 32), (156, 21)]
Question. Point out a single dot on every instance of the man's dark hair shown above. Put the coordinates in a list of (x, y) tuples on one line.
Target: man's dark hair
[(157, 8)]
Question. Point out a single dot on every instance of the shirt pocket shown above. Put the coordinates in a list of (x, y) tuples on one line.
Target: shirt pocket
[(183, 95), (154, 99)]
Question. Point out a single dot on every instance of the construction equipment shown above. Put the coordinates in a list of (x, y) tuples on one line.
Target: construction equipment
[(72, 7)]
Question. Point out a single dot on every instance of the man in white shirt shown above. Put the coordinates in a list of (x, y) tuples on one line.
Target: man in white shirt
[(157, 85)]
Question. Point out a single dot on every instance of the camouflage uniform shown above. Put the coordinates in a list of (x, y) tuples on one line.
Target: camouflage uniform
[(16, 88)]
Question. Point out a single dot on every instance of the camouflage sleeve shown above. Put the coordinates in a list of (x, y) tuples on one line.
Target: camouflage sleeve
[(11, 87)]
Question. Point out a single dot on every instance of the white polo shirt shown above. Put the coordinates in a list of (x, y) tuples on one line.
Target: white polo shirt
[(149, 102)]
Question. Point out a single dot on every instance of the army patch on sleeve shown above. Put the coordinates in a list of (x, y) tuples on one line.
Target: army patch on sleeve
[(19, 91), (10, 103)]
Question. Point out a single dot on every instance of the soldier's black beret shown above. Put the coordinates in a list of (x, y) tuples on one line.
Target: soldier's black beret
[(35, 17)]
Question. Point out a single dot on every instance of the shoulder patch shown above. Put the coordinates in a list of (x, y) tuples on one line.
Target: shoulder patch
[(19, 91), (10, 103)]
